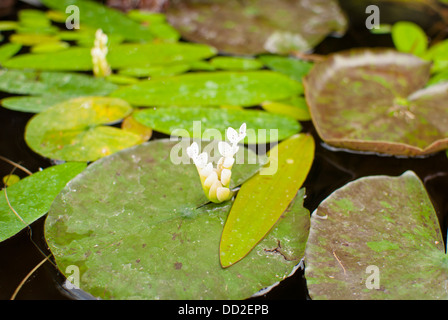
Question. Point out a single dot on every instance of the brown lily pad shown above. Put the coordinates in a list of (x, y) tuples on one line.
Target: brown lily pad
[(376, 101), (256, 26)]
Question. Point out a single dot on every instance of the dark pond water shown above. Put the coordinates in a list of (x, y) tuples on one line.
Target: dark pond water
[(331, 170)]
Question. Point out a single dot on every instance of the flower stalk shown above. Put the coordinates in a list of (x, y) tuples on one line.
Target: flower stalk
[(215, 181), (101, 67)]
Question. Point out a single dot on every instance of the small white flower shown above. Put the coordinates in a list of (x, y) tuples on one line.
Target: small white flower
[(234, 136), (193, 150)]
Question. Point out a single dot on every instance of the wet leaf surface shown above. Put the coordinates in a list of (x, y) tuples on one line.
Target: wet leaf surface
[(252, 27), (263, 199), (375, 100), (119, 56), (32, 196), (381, 221), (147, 237), (211, 123), (48, 88), (211, 89), (75, 129)]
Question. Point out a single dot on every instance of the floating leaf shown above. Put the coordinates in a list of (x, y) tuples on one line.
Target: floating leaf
[(8, 25), (375, 100), (40, 83), (294, 68), (10, 179), (32, 196), (148, 237), (409, 37), (48, 88), (250, 27), (295, 107), (74, 130), (211, 89), (377, 224), (32, 39), (235, 63), (8, 50), (119, 56), (438, 54), (99, 16), (156, 71), (208, 123), (50, 47), (262, 200), (132, 125)]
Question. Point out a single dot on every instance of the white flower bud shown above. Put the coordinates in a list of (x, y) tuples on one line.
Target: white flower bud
[(222, 194), (211, 179), (225, 177)]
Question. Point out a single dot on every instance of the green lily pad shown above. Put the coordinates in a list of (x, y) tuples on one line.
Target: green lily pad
[(410, 38), (48, 88), (236, 63), (147, 236), (211, 89), (50, 47), (208, 123), (262, 200), (32, 39), (8, 50), (32, 196), (75, 129), (257, 26), (295, 107), (119, 56), (376, 100), (292, 67), (377, 238), (99, 16)]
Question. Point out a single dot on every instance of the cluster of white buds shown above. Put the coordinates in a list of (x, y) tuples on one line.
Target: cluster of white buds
[(216, 181), (101, 67)]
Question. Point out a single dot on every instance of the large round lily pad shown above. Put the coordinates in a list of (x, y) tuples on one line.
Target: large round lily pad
[(256, 26), (377, 238), (376, 100), (136, 225)]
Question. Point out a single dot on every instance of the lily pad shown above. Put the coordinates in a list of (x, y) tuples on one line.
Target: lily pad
[(8, 50), (253, 27), (208, 123), (99, 16), (211, 89), (262, 200), (377, 224), (376, 100), (119, 56), (75, 129), (146, 235), (48, 88), (32, 196)]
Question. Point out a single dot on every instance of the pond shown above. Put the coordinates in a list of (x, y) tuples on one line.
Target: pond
[(364, 154)]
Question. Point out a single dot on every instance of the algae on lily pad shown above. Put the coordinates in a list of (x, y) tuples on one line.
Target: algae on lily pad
[(380, 224), (256, 26), (76, 130), (247, 88), (211, 123), (147, 234), (376, 100)]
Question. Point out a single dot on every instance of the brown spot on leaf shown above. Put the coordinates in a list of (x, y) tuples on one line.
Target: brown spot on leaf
[(178, 265)]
